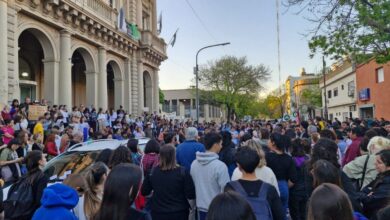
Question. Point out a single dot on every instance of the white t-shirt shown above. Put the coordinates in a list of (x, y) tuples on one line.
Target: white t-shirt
[(264, 174)]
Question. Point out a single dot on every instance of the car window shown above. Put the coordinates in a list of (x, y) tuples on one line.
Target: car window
[(70, 162)]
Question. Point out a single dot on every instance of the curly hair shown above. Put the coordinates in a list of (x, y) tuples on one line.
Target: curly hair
[(324, 149)]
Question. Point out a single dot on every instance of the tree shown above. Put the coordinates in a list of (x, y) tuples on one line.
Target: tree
[(312, 98), (232, 79), (161, 96), (354, 28), (273, 105)]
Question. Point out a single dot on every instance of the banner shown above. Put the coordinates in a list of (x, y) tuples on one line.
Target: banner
[(35, 111)]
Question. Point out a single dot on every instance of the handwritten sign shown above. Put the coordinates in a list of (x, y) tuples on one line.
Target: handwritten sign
[(35, 111)]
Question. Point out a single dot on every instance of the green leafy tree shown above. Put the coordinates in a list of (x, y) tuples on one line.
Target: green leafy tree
[(161, 96), (354, 28), (232, 79), (312, 98)]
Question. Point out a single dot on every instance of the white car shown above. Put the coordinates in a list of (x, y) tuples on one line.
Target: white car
[(79, 157)]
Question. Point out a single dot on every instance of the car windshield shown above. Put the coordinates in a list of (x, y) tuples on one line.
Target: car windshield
[(70, 163)]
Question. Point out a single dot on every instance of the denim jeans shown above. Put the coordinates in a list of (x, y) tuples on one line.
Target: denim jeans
[(283, 188), (202, 215)]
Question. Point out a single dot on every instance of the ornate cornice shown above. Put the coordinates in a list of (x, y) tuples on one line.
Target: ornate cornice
[(84, 22)]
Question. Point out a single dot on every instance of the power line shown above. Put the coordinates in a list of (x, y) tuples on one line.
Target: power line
[(200, 20)]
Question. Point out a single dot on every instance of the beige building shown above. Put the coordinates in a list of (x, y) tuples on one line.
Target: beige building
[(294, 87), (181, 103), (73, 52), (340, 91)]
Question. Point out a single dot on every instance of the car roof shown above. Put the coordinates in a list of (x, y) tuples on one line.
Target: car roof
[(98, 145)]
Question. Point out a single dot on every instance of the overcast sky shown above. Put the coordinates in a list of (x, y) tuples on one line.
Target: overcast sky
[(250, 26)]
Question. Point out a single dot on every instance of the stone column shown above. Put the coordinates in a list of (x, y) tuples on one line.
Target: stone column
[(51, 79), (91, 81), (154, 17), (141, 94), (206, 113), (139, 14), (127, 89), (102, 80), (3, 53), (134, 85), (65, 77), (156, 92)]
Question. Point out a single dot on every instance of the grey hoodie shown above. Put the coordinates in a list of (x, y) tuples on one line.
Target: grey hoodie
[(210, 176)]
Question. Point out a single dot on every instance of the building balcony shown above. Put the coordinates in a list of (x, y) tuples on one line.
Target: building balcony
[(153, 41), (98, 8)]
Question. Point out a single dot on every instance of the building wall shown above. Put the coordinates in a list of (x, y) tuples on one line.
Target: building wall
[(62, 27), (183, 102), (379, 92), (344, 104)]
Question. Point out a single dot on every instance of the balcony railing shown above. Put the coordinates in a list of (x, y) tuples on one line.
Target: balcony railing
[(148, 38), (98, 8)]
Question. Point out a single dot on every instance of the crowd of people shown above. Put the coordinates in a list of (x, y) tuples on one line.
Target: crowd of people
[(314, 169)]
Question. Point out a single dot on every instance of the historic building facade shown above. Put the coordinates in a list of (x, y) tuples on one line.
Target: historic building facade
[(72, 52)]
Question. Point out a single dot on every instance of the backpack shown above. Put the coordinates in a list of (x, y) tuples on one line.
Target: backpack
[(259, 204), (19, 202)]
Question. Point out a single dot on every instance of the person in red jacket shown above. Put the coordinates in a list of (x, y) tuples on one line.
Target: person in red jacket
[(50, 146), (353, 150)]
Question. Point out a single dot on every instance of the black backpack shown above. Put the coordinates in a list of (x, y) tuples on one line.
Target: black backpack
[(20, 200)]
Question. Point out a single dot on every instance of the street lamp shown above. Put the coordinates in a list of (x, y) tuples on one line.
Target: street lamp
[(197, 78)]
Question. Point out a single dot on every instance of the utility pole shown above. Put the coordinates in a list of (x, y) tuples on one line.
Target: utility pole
[(325, 99)]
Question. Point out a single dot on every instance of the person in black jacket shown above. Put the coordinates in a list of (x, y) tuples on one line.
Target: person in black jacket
[(376, 194), (172, 187), (297, 197), (326, 149), (228, 152), (35, 161)]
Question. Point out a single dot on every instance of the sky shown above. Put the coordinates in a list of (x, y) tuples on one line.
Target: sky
[(250, 27)]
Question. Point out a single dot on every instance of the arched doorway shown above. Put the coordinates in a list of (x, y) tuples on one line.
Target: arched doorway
[(148, 91), (84, 78), (78, 79), (36, 66), (30, 66), (114, 85)]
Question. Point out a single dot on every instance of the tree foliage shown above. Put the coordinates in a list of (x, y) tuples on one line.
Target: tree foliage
[(161, 96), (311, 97), (233, 82), (273, 106), (354, 28)]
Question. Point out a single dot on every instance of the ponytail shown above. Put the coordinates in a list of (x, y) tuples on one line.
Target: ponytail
[(94, 177)]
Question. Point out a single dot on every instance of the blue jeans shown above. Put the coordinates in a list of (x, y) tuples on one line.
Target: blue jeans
[(283, 188), (202, 215)]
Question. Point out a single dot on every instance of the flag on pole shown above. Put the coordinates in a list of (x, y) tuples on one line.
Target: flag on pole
[(159, 24), (122, 25), (173, 40)]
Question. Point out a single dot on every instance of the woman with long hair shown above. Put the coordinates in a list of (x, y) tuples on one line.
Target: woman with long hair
[(35, 161), (329, 202), (172, 187), (297, 194), (228, 151), (120, 190), (120, 155), (326, 149), (95, 178), (375, 195), (50, 146), (150, 158)]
